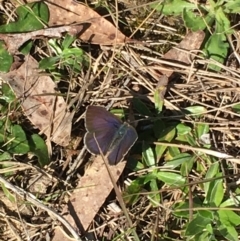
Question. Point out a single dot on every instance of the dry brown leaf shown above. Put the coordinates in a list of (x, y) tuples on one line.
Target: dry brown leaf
[(192, 41), (88, 25), (93, 28), (181, 53), (89, 196), (40, 101), (14, 41)]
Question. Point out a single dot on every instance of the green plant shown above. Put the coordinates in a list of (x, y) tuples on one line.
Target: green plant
[(32, 16), (13, 139), (178, 159), (66, 56), (213, 17), (6, 59)]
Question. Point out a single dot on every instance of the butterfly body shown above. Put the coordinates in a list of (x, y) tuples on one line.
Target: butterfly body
[(109, 133), (122, 130)]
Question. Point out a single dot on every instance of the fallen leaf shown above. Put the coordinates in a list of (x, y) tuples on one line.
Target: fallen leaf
[(93, 27), (14, 41), (181, 53), (89, 195), (40, 101)]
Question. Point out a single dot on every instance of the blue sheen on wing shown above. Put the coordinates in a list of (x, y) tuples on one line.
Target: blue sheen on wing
[(113, 137), (117, 153), (98, 118), (104, 140), (103, 125)]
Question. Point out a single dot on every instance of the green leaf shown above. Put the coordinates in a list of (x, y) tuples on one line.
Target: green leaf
[(178, 160), (32, 16), (141, 107), (150, 176), (5, 58), (205, 235), (7, 93), (171, 179), (236, 108), (201, 129), (158, 128), (203, 135), (158, 100), (163, 134), (5, 127), (182, 138), (173, 7), (183, 129), (148, 155), (216, 48), (167, 134), (228, 218), (133, 163), (197, 225), (39, 148), (5, 156), (232, 6), (187, 166), (228, 232), (68, 40), (209, 229), (66, 57), (160, 92), (223, 23), (231, 201), (18, 141), (212, 171), (8, 194), (120, 113), (206, 214), (187, 138), (49, 62), (215, 192), (154, 197), (181, 209), (195, 22), (196, 110), (131, 194), (26, 47), (76, 52), (173, 151)]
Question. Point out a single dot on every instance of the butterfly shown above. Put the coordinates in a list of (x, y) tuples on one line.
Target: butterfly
[(114, 137)]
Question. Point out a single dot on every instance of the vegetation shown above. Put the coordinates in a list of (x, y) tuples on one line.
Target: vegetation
[(181, 176)]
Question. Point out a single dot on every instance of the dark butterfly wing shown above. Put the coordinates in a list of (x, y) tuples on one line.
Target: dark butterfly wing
[(98, 118), (104, 139), (121, 149), (101, 124)]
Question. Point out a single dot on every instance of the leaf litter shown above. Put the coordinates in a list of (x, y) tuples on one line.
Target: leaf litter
[(94, 187), (82, 21), (42, 105), (50, 110)]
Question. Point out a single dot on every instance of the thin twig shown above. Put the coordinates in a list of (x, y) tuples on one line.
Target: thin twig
[(203, 150), (32, 199)]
